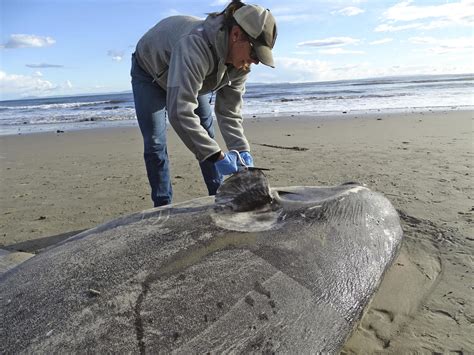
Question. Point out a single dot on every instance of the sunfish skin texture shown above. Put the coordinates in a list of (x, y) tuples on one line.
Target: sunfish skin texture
[(294, 274)]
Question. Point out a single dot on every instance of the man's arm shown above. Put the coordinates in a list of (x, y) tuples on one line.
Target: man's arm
[(229, 117), (190, 62)]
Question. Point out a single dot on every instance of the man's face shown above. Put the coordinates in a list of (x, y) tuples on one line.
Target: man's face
[(241, 53)]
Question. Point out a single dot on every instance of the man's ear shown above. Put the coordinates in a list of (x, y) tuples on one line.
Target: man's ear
[(235, 33)]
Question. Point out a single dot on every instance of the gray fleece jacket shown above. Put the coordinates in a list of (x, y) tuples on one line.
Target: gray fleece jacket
[(186, 57)]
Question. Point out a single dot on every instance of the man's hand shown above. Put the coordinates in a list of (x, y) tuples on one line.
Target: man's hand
[(247, 158), (227, 163)]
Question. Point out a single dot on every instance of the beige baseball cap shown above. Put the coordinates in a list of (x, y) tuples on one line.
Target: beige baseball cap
[(260, 25)]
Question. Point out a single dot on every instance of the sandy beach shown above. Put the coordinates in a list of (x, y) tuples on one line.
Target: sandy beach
[(54, 183)]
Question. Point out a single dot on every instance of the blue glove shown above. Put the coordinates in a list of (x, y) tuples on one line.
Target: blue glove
[(228, 165), (247, 158)]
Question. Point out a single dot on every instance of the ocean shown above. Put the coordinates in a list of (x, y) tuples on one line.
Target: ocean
[(438, 92)]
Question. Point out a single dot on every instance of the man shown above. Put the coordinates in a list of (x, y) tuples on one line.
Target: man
[(177, 63)]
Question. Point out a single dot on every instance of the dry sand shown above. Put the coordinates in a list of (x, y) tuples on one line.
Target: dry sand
[(55, 183)]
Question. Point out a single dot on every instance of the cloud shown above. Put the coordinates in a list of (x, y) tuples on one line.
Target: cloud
[(336, 51), (293, 18), (117, 56), (15, 85), (420, 26), (303, 53), (296, 13), (220, 3), (28, 41), (405, 11), (304, 70), (349, 11), (44, 65), (381, 41), (391, 28), (440, 16), (172, 12), (447, 45), (23, 85), (307, 70), (330, 42)]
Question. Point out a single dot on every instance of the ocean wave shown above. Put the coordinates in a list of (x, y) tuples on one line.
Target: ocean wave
[(341, 97), (468, 79), (395, 93), (48, 118), (314, 93), (397, 81), (68, 105)]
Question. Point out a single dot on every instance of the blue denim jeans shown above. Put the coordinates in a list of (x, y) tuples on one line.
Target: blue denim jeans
[(150, 107)]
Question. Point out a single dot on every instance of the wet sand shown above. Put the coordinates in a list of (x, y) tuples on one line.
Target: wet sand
[(54, 183)]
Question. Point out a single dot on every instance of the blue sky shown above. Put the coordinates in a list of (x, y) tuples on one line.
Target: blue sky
[(51, 48)]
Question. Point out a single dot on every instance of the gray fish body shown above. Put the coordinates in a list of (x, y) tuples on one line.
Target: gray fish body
[(293, 274)]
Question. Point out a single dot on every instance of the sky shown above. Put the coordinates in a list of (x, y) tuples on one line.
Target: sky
[(70, 47)]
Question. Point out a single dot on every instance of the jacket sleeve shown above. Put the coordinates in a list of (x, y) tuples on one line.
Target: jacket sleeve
[(228, 113), (191, 60)]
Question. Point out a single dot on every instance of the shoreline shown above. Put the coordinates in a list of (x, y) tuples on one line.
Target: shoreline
[(291, 115), (56, 183)]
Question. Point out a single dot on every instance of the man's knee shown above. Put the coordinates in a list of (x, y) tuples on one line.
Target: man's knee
[(153, 146)]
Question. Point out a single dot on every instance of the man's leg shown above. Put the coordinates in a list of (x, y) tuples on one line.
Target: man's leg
[(150, 106), (212, 177)]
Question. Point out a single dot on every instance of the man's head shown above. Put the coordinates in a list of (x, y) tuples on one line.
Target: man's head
[(251, 37), (241, 53)]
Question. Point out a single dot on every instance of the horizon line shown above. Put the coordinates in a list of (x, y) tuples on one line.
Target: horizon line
[(251, 83)]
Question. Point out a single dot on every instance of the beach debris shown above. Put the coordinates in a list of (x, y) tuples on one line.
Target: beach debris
[(282, 147), (93, 292), (41, 218)]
